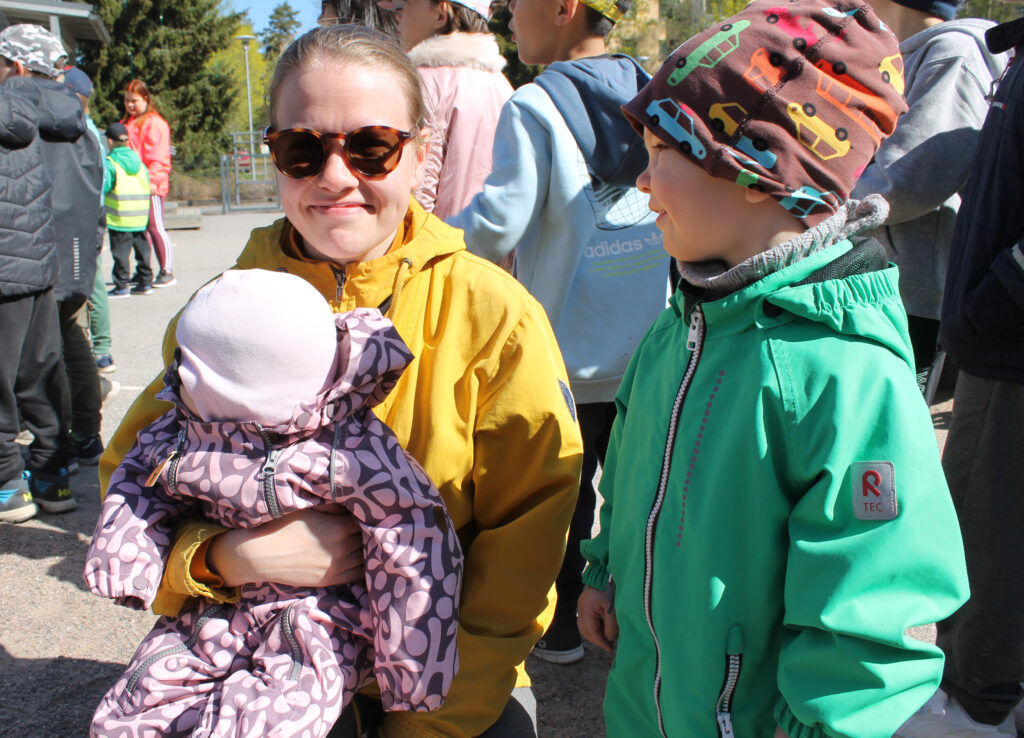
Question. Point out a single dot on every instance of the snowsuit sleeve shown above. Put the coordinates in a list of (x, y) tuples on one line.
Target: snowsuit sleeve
[(177, 586), (853, 585), (509, 206), (413, 556), (136, 526), (413, 573), (926, 160)]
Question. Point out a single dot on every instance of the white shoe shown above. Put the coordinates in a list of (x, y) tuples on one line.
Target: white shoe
[(943, 717)]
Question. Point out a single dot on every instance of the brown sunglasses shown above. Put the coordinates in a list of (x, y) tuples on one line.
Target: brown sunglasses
[(373, 151)]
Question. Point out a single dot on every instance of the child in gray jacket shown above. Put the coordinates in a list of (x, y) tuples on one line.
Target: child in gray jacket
[(946, 74)]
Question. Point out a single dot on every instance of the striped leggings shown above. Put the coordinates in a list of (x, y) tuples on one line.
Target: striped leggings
[(157, 236)]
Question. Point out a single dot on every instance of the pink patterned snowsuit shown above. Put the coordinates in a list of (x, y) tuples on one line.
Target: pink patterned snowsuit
[(283, 661)]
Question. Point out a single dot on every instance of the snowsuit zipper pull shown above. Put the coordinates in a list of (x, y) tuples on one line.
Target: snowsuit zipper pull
[(151, 480)]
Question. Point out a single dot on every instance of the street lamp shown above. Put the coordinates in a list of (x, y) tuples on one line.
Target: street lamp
[(246, 39)]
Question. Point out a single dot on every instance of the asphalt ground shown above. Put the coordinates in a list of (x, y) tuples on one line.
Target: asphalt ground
[(61, 647)]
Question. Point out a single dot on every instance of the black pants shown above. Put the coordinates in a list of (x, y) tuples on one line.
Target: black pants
[(83, 378), (984, 640), (122, 243), (924, 339), (596, 426), (32, 384)]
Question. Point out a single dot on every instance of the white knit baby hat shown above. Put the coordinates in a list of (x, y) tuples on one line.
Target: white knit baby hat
[(254, 345)]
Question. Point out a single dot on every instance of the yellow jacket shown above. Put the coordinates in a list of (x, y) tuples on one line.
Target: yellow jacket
[(484, 407)]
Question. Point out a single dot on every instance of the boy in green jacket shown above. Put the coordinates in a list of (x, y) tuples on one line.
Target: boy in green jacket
[(775, 515)]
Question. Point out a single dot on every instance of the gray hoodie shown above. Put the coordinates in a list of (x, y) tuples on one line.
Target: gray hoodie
[(922, 167)]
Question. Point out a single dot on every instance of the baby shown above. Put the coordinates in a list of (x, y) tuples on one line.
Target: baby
[(272, 415)]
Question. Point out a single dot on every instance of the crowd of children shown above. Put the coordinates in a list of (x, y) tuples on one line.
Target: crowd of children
[(775, 516)]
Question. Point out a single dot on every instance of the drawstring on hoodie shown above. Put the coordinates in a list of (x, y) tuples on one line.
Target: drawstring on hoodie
[(388, 307)]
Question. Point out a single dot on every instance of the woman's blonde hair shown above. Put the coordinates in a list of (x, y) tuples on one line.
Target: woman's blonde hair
[(350, 44)]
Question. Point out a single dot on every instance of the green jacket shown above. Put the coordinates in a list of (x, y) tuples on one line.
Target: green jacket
[(754, 436)]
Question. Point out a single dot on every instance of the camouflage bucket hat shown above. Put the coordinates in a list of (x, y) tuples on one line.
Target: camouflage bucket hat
[(35, 47), (789, 97)]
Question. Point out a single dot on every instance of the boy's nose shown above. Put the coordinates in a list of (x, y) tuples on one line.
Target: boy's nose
[(643, 181)]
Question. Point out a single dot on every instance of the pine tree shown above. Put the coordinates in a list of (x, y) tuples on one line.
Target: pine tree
[(167, 44), (281, 28)]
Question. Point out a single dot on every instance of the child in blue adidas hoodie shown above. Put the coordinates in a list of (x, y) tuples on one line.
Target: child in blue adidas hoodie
[(562, 196)]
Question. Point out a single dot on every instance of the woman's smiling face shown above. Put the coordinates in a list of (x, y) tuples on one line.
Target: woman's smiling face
[(344, 216)]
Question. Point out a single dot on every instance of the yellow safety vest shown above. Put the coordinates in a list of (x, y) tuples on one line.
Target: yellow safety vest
[(128, 200)]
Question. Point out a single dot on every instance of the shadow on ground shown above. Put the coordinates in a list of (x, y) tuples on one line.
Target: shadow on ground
[(37, 711), (569, 698)]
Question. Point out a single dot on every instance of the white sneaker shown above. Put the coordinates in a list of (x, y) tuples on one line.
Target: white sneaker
[(943, 717)]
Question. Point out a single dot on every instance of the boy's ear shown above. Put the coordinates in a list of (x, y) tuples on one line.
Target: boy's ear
[(755, 196), (566, 11)]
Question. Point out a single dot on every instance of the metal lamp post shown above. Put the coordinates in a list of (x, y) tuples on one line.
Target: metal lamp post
[(246, 39)]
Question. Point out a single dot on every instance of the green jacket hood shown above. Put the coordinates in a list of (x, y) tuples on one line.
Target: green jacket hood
[(126, 159), (842, 287)]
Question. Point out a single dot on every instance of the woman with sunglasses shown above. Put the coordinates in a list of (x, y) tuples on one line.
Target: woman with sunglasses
[(458, 58), (149, 136), (484, 406)]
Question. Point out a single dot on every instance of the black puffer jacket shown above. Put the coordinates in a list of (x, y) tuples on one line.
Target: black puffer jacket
[(983, 307), (28, 262), (75, 165)]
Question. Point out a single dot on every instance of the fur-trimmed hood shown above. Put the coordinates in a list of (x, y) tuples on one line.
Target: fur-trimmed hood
[(475, 50)]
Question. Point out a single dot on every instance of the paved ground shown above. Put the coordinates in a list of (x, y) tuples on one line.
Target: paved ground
[(61, 647)]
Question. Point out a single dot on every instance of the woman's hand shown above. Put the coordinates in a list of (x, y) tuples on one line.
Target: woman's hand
[(780, 734), (596, 620), (303, 549)]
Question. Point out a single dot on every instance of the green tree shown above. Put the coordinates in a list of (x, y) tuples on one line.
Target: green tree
[(280, 30), (998, 10), (169, 45)]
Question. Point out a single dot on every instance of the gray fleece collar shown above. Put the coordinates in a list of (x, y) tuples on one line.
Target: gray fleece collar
[(853, 217)]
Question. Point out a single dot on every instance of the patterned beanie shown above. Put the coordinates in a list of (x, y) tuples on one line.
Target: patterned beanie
[(255, 345), (791, 98)]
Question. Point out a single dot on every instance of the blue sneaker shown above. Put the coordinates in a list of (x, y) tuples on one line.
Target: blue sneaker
[(16, 504), (119, 293), (52, 492), (88, 449), (105, 364)]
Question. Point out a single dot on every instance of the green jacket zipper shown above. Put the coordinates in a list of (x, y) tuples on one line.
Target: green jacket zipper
[(694, 343)]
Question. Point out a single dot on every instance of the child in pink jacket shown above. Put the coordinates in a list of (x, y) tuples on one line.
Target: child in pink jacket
[(272, 415), (464, 90)]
